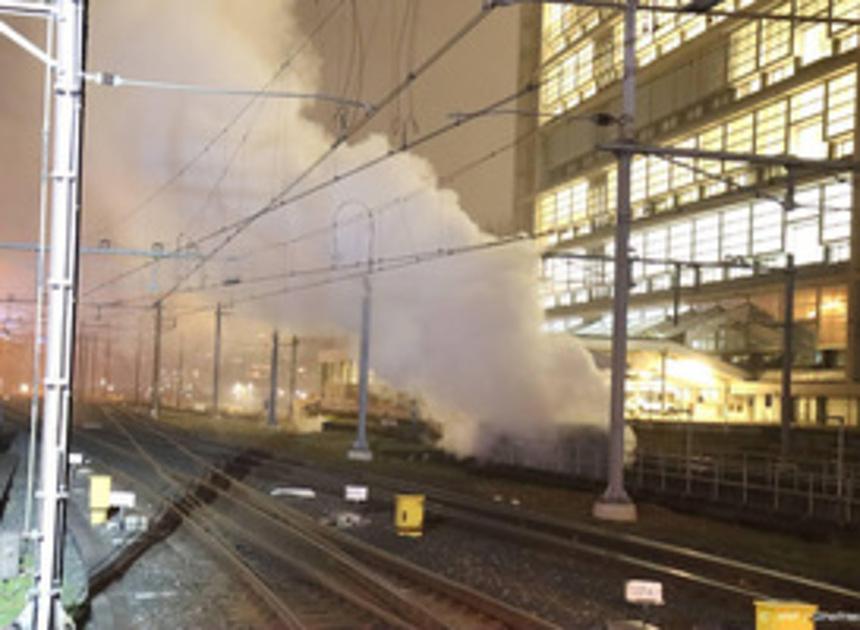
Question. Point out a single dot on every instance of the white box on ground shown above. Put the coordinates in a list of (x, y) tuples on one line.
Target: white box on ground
[(644, 592), (76, 459), (356, 494), (10, 555), (136, 523), (122, 499), (296, 493)]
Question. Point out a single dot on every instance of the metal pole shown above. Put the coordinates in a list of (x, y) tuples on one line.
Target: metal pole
[(179, 383), (81, 358), (294, 364), (155, 410), (688, 452), (216, 362), (664, 394), (360, 449), (840, 457), (787, 401), (38, 341), (676, 294), (92, 360), (62, 290), (108, 368), (138, 357), (273, 383), (615, 504)]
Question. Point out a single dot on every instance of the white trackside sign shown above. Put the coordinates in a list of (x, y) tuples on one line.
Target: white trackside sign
[(644, 592), (356, 494)]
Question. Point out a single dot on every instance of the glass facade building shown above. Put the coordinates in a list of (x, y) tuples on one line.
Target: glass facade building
[(706, 338)]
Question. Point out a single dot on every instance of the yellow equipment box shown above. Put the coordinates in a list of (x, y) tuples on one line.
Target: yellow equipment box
[(409, 514), (98, 517), (99, 492), (777, 615)]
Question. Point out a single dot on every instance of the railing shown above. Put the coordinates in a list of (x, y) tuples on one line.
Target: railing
[(759, 483), (824, 490)]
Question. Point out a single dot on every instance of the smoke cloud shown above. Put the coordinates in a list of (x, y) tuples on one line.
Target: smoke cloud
[(463, 332)]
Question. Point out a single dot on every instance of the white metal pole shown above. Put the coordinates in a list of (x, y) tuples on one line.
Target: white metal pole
[(62, 287), (180, 381), (137, 361), (294, 359), (92, 365), (615, 504), (216, 362), (360, 448), (787, 399), (155, 410), (273, 382), (38, 327)]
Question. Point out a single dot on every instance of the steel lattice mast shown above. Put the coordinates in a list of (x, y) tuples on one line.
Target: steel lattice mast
[(65, 172)]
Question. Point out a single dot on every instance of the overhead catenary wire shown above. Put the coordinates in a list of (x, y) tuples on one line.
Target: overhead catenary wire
[(391, 204), (240, 226), (240, 113), (393, 263), (756, 190), (219, 179), (383, 207), (235, 228), (282, 199)]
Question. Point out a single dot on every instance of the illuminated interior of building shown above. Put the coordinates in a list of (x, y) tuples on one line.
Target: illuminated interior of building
[(707, 303)]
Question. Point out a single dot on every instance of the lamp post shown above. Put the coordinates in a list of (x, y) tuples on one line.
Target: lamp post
[(360, 449)]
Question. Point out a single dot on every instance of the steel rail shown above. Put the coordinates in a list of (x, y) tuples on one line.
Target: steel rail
[(529, 524), (177, 480), (204, 516), (215, 543), (348, 548), (465, 505)]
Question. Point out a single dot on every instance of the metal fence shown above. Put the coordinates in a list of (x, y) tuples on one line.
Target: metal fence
[(824, 490)]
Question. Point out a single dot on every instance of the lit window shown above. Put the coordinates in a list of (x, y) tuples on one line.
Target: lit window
[(740, 134), (776, 38), (658, 176), (680, 239), (802, 237), (767, 227), (805, 305), (736, 232), (836, 219), (639, 179), (743, 47), (840, 104), (707, 239), (813, 43), (833, 321), (770, 125), (604, 60)]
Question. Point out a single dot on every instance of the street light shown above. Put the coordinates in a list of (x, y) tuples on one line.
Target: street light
[(360, 449)]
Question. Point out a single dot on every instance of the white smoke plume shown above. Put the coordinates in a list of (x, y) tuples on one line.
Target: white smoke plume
[(463, 332)]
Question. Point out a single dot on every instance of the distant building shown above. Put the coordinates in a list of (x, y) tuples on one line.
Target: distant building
[(711, 348), (15, 368)]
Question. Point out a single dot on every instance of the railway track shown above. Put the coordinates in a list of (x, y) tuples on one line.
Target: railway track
[(336, 581), (680, 564)]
